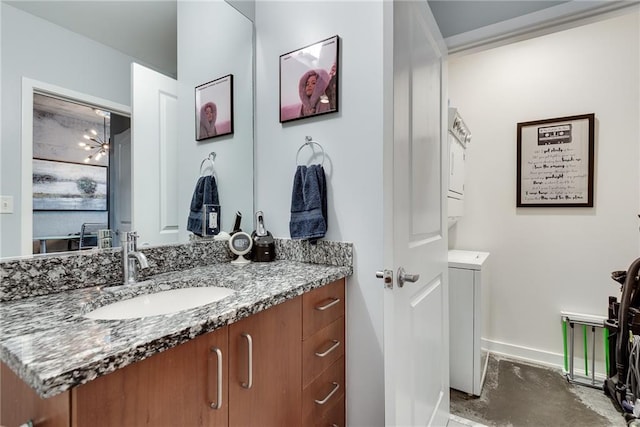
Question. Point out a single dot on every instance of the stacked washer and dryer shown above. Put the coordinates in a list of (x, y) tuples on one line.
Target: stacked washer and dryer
[(468, 279)]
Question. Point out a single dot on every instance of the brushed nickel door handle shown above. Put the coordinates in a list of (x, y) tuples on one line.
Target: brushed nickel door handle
[(336, 386), (249, 382), (335, 345), (405, 277), (217, 402), (333, 302)]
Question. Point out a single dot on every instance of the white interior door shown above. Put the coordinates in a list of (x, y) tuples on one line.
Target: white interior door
[(154, 154), (416, 321), (120, 172)]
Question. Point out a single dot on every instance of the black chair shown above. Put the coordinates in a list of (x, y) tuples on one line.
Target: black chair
[(89, 234)]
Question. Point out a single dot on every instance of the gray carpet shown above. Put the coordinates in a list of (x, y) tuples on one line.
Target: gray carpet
[(517, 394)]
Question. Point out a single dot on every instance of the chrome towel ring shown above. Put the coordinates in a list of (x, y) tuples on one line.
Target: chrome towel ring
[(211, 159), (310, 142)]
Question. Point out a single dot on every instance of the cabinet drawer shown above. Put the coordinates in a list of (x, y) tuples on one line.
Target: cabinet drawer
[(321, 349), (334, 416), (320, 397), (322, 306)]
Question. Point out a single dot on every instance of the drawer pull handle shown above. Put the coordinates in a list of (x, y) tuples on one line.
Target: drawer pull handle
[(217, 402), (335, 345), (333, 302), (336, 386), (249, 382), (334, 425)]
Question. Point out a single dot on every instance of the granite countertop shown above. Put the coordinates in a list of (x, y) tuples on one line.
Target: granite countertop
[(52, 347)]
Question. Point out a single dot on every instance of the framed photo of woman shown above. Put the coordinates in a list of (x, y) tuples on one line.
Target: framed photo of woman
[(309, 80), (214, 108)]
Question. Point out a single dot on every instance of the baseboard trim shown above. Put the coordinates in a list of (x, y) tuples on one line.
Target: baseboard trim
[(536, 356), (456, 420), (528, 354)]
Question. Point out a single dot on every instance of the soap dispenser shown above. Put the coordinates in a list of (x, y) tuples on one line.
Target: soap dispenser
[(264, 247)]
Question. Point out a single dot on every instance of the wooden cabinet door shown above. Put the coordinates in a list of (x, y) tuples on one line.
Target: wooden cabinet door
[(172, 388), (19, 403), (265, 368)]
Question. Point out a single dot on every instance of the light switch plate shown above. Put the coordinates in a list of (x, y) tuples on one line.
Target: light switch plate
[(6, 204)]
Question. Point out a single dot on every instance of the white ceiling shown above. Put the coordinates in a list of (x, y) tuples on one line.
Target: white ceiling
[(480, 24), (461, 16)]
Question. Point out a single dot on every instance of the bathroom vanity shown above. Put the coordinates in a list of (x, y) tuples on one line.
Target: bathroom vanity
[(272, 353)]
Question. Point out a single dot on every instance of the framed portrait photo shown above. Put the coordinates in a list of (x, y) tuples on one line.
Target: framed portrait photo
[(555, 162), (309, 79), (214, 108)]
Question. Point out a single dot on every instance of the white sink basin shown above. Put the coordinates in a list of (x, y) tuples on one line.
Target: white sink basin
[(163, 302)]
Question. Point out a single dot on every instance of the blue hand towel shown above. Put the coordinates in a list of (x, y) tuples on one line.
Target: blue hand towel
[(205, 193), (308, 204)]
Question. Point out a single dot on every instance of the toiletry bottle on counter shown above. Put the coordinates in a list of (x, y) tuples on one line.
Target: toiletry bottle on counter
[(264, 248), (236, 225)]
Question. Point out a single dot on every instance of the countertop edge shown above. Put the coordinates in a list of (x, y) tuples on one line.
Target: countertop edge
[(52, 386)]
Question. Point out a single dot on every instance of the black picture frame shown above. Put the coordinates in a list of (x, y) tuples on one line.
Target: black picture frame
[(555, 162), (214, 108), (66, 186), (299, 67)]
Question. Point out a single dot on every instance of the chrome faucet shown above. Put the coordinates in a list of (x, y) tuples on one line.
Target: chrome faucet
[(131, 258)]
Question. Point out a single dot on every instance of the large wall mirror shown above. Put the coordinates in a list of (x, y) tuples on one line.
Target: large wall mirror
[(81, 155), (61, 70)]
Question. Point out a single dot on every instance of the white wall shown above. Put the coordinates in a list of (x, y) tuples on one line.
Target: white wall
[(352, 140), (544, 260), (214, 40), (39, 50)]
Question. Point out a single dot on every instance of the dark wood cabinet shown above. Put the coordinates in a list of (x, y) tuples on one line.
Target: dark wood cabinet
[(19, 404), (284, 366), (172, 388), (266, 368), (323, 395)]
